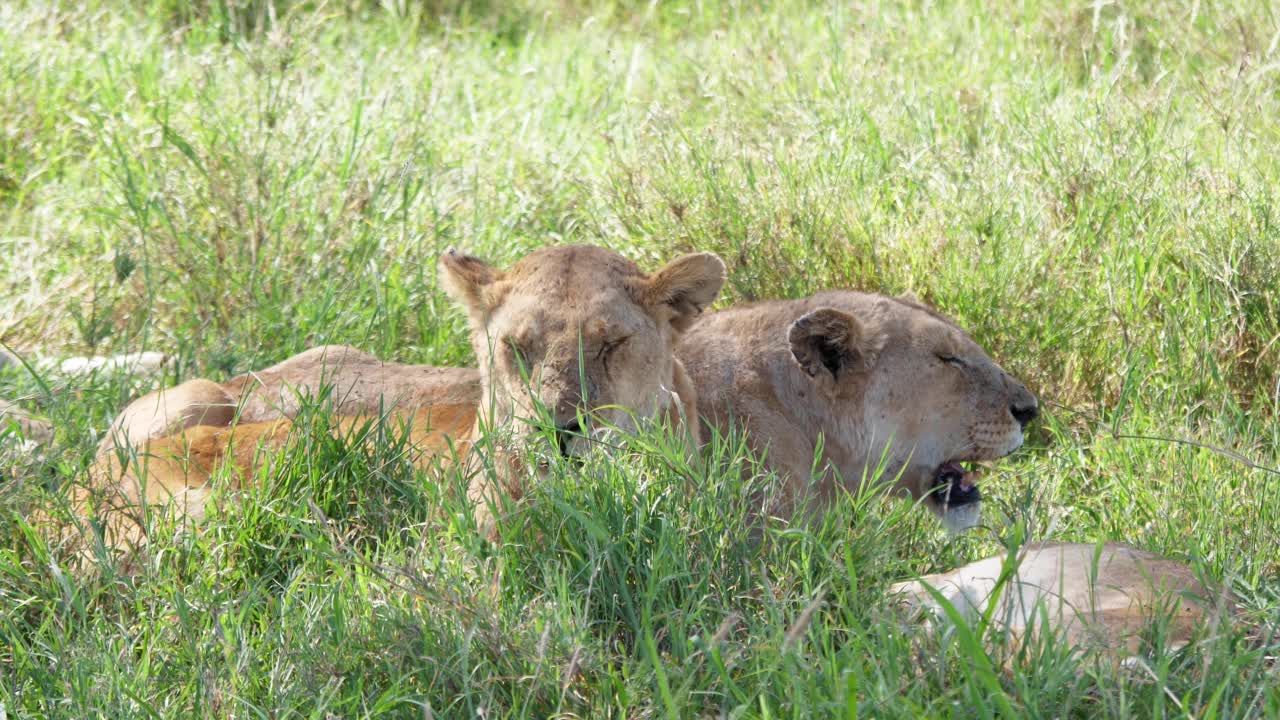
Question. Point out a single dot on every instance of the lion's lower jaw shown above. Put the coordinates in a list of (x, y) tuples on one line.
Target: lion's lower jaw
[(960, 518)]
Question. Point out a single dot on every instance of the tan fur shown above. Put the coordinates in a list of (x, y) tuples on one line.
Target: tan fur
[(1093, 598), (858, 373), (175, 471), (164, 446), (356, 382), (586, 335), (169, 410), (551, 300)]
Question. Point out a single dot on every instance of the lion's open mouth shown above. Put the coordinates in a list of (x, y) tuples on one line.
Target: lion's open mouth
[(955, 485)]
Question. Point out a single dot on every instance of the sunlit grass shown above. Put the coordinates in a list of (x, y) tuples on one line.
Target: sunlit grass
[(1089, 190)]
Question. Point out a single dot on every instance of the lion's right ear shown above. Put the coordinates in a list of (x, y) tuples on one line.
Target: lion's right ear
[(830, 341), (686, 286), (470, 281)]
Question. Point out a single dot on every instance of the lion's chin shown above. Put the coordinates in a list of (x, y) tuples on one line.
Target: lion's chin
[(957, 519), (953, 494)]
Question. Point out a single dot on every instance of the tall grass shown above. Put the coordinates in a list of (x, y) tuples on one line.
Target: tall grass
[(1088, 189)]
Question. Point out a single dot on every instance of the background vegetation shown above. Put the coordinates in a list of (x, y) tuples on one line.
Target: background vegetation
[(1090, 188)]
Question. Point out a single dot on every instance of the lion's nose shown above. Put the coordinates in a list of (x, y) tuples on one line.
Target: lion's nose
[(1024, 412), (1022, 403), (565, 433)]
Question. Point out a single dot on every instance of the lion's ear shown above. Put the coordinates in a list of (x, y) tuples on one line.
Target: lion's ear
[(827, 340), (469, 281), (687, 285)]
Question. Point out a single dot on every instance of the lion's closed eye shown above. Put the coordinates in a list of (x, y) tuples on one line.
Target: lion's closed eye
[(608, 348), (612, 345)]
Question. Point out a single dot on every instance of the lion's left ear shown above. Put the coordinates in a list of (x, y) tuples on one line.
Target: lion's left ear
[(687, 285), (831, 341)]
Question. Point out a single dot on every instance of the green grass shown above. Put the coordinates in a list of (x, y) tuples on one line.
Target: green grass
[(1090, 191)]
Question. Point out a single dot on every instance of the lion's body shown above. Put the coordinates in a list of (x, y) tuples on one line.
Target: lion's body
[(175, 472), (165, 446), (1092, 597), (356, 383), (351, 383)]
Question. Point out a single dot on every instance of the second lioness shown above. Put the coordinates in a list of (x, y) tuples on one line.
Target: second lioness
[(861, 376), (579, 330)]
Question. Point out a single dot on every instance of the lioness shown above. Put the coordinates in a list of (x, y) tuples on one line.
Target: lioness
[(582, 327), (1093, 597), (864, 377)]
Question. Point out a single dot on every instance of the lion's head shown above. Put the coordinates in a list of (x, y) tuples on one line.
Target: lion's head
[(901, 376), (581, 331)]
